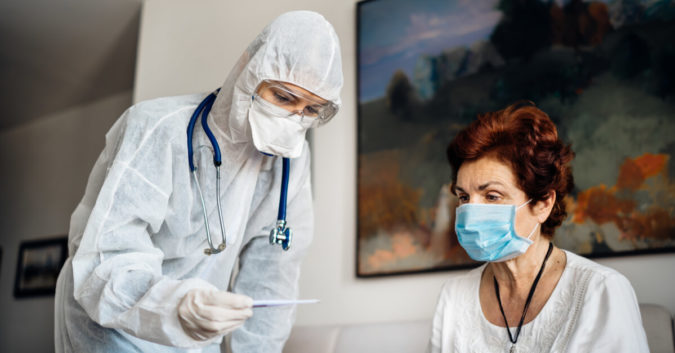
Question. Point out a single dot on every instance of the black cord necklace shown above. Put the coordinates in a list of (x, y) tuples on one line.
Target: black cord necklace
[(527, 302)]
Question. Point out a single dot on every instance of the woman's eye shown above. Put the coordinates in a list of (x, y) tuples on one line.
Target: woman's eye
[(463, 198), (491, 197), (311, 111), (281, 98)]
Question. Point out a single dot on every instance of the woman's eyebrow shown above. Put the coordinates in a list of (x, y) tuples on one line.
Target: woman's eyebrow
[(291, 90), (484, 186), (481, 187), (297, 93)]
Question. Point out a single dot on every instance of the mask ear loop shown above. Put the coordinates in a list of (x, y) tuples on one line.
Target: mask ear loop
[(535, 226), (521, 206), (533, 230)]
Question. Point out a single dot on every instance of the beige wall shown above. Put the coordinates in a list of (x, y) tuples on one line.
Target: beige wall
[(46, 164), (66, 74), (190, 46)]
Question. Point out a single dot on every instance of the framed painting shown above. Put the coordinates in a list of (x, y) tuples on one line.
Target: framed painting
[(603, 70), (39, 264)]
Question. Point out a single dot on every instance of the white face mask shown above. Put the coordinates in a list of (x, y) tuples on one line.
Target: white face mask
[(276, 132)]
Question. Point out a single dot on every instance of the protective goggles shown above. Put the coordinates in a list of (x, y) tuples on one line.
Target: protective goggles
[(274, 94)]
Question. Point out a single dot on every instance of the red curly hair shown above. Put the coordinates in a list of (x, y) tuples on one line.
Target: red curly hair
[(525, 138)]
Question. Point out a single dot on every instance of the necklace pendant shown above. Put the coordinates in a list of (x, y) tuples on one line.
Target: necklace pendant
[(513, 348)]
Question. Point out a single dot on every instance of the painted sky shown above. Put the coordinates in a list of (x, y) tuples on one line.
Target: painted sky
[(394, 33)]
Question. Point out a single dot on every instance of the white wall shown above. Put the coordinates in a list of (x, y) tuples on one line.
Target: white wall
[(46, 164), (66, 52), (187, 47)]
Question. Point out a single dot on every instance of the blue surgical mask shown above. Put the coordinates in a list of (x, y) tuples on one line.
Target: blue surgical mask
[(487, 232)]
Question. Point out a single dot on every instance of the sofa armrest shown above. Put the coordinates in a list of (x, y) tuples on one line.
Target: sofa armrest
[(658, 326)]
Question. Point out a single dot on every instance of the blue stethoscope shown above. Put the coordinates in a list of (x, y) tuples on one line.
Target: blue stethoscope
[(280, 234)]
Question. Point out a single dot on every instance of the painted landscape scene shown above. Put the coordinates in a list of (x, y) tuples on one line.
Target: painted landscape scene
[(603, 70)]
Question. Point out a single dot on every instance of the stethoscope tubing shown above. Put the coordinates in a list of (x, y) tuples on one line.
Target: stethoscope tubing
[(217, 161), (191, 127), (204, 108), (281, 216)]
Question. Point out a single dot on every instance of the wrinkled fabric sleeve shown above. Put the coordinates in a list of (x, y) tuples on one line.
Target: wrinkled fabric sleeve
[(268, 272), (117, 271), (610, 318)]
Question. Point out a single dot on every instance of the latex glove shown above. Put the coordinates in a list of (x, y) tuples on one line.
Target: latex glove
[(207, 313)]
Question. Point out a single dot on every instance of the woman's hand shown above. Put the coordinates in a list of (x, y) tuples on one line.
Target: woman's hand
[(205, 314)]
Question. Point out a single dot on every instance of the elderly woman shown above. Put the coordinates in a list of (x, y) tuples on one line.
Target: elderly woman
[(511, 174)]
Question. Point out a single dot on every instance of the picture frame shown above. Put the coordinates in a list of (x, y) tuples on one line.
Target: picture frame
[(38, 266), (600, 70)]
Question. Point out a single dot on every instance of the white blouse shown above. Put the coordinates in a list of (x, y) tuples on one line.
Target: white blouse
[(592, 309)]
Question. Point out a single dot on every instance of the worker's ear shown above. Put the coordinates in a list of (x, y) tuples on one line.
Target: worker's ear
[(542, 209)]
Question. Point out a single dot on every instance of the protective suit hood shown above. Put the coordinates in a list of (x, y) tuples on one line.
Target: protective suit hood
[(298, 47)]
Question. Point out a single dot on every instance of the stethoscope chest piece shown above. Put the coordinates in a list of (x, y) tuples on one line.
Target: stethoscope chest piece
[(281, 235)]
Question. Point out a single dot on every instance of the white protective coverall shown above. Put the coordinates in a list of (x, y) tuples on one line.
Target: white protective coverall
[(137, 237)]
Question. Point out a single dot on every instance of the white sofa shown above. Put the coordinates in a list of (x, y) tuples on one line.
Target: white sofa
[(412, 336)]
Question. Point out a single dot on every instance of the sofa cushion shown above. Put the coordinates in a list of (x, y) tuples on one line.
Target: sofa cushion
[(413, 336), (393, 337), (400, 337), (312, 339)]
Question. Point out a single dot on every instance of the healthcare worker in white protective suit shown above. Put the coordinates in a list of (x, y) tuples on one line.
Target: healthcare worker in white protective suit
[(137, 278)]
